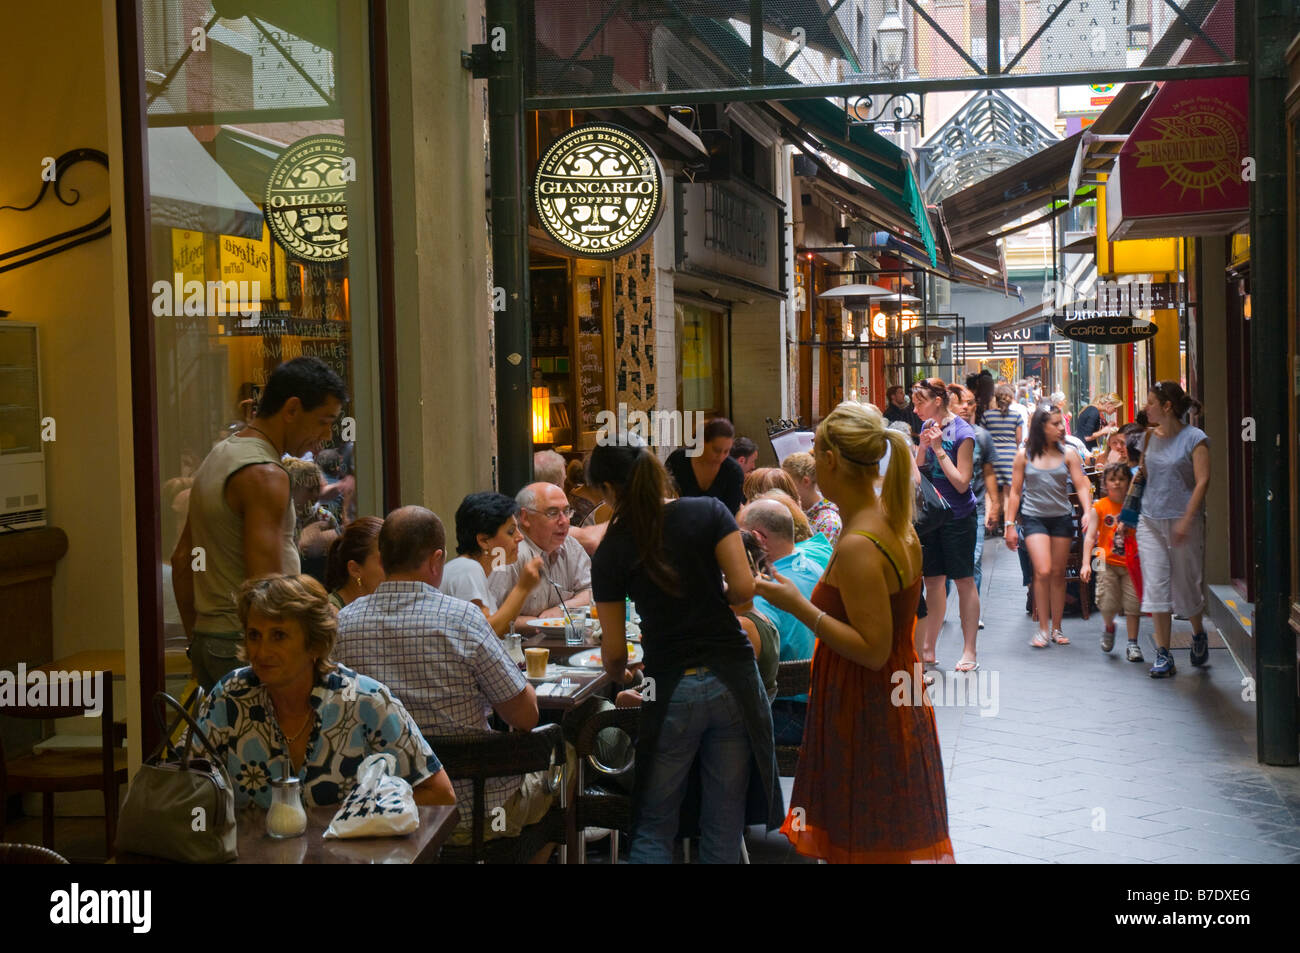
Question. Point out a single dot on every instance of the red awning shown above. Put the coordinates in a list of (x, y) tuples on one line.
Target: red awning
[(1181, 171)]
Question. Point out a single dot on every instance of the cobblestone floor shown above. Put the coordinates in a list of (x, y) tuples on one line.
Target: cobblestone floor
[(1089, 760)]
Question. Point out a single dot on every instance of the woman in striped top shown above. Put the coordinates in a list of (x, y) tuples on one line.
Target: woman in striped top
[(1007, 430)]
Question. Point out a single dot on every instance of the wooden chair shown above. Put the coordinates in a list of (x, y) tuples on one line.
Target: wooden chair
[(28, 854), (596, 804), (792, 678), (481, 755), (71, 769)]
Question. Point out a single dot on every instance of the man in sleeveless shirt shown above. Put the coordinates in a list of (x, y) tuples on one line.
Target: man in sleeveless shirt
[(241, 516)]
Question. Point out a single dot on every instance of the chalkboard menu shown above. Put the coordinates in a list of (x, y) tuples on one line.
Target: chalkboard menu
[(591, 351)]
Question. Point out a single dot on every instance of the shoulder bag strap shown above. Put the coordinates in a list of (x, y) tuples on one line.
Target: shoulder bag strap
[(1142, 464), (160, 702)]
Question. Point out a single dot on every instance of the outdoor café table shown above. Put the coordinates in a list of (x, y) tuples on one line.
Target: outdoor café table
[(112, 661), (583, 683), (255, 846)]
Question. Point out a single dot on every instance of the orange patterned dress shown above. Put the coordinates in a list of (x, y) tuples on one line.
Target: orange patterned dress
[(869, 785)]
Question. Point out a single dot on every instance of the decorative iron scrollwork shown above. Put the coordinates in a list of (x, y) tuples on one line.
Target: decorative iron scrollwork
[(73, 237), (897, 108)]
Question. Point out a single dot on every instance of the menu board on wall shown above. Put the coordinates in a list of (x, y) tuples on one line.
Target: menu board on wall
[(591, 352)]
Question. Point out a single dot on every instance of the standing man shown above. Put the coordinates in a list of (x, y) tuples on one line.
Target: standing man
[(900, 408), (544, 516), (241, 515)]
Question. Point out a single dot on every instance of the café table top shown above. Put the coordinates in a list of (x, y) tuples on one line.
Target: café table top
[(589, 681), (257, 847), (112, 660)]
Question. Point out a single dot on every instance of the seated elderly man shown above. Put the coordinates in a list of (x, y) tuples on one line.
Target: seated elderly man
[(566, 568), (773, 527), (439, 655)]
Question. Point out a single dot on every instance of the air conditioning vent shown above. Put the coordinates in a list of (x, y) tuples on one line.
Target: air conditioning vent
[(32, 499), (12, 501), (22, 519)]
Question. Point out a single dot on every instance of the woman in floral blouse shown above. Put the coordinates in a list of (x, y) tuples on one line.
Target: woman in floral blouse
[(291, 708)]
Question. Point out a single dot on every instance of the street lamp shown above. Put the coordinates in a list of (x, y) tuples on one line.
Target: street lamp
[(891, 34)]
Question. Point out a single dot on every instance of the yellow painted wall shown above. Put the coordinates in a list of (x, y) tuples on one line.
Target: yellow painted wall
[(54, 79)]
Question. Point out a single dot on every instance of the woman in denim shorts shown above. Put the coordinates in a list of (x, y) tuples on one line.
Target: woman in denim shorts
[(1040, 493)]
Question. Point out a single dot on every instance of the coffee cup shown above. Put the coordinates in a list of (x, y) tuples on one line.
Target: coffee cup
[(535, 660)]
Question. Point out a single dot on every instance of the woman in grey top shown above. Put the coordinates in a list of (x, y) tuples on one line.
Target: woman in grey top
[(1040, 494), (1171, 531)]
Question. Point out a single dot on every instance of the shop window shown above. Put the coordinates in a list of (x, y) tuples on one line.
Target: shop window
[(700, 359), (262, 245)]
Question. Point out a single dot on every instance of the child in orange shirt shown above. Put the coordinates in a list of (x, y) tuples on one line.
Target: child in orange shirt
[(1115, 590)]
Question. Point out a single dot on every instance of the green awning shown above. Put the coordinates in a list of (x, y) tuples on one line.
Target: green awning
[(881, 164)]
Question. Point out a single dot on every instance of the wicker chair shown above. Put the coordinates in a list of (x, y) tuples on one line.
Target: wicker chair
[(792, 678), (479, 756), (28, 854), (597, 805)]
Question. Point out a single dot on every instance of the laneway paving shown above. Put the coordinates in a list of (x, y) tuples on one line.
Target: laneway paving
[(1083, 758)]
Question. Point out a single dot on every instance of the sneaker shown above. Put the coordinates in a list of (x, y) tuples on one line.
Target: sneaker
[(1108, 639), (981, 623), (1164, 666), (1200, 649), (1134, 653)]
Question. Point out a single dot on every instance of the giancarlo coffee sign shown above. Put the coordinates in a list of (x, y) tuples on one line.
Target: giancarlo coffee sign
[(306, 204), (599, 190)]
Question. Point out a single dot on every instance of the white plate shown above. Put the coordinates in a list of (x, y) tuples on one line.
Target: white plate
[(591, 658), (551, 623), (552, 671)]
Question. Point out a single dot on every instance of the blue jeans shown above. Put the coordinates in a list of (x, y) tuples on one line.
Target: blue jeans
[(703, 718), (979, 551), (788, 717)]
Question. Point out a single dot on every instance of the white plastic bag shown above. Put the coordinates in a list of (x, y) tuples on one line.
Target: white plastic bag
[(381, 805)]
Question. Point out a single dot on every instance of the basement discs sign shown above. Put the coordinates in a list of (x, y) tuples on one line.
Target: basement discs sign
[(599, 190), (306, 205)]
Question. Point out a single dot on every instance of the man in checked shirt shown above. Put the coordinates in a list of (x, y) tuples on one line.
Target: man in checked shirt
[(441, 658)]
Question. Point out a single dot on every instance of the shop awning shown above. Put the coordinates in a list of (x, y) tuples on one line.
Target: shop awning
[(881, 164), (1032, 184), (190, 190), (1180, 172)]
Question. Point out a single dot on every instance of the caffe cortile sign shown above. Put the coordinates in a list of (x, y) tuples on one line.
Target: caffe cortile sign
[(598, 190)]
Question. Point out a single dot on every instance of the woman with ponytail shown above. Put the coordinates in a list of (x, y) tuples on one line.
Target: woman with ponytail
[(869, 785), (704, 696), (1171, 529)]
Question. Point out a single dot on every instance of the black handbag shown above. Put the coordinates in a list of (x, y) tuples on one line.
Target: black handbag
[(930, 511), (181, 809)]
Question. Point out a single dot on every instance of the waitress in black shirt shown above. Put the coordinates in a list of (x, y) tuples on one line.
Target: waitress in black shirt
[(703, 694), (713, 472)]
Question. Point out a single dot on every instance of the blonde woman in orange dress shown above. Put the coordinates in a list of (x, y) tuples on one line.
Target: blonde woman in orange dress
[(869, 784)]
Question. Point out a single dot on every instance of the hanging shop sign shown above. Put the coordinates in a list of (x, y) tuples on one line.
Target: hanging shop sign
[(1094, 328), (306, 199), (598, 190), (1186, 168), (1022, 335)]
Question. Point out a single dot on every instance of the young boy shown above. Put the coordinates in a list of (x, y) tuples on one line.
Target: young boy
[(1115, 591)]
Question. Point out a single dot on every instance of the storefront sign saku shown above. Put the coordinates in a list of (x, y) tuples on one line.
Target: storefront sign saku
[(598, 190)]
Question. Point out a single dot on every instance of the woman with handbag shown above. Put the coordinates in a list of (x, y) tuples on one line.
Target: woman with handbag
[(1040, 495), (946, 455), (869, 784), (1171, 528), (293, 709)]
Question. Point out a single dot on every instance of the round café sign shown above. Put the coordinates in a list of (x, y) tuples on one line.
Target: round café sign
[(599, 190), (306, 199)]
